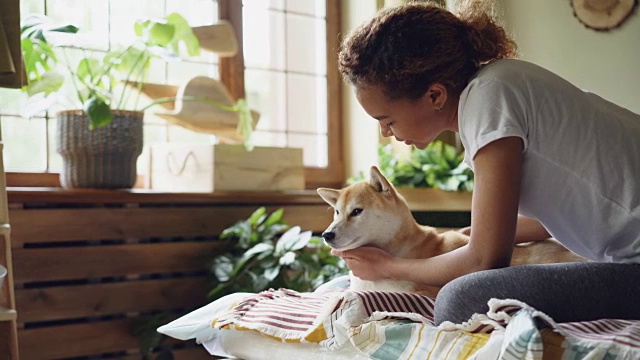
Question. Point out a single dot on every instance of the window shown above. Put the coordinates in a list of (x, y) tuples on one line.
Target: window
[(287, 73), (290, 75)]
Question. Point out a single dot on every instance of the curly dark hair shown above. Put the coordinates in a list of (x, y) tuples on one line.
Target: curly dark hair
[(405, 49)]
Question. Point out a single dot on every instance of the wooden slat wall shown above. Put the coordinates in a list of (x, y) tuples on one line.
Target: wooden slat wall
[(84, 272)]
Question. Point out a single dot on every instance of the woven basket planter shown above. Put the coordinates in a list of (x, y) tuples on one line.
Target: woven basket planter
[(103, 158)]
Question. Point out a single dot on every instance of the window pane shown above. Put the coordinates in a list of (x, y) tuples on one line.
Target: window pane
[(265, 138), (25, 143), (307, 103), (310, 7), (306, 45), (314, 148), (197, 12), (264, 39), (10, 100), (28, 7), (265, 4), (89, 16), (266, 93), (124, 13), (285, 75)]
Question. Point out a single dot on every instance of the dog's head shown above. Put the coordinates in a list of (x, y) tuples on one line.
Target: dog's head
[(366, 213)]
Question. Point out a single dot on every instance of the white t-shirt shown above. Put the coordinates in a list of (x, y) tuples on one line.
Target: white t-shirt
[(581, 170)]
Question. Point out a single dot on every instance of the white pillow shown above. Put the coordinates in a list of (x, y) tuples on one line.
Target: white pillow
[(251, 345), (197, 324)]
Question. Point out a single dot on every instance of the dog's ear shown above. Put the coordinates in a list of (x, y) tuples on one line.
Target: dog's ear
[(329, 195), (378, 181)]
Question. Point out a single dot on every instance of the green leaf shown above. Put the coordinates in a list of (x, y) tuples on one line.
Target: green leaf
[(88, 69), (183, 34), (49, 83), (245, 123), (154, 33), (160, 34), (98, 111), (272, 273), (288, 258), (130, 64), (290, 239), (259, 283), (222, 268), (274, 218), (258, 249), (253, 219)]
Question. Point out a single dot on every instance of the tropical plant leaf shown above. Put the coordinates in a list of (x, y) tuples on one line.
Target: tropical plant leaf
[(98, 111), (183, 35), (288, 258), (293, 242), (256, 215), (294, 260), (48, 83), (274, 218), (222, 268)]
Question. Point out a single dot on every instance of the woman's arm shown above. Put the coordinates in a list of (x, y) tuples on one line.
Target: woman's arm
[(498, 168), (527, 230)]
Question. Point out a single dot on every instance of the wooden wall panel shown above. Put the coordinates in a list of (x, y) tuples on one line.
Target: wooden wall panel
[(66, 263), (64, 225), (69, 302), (66, 341)]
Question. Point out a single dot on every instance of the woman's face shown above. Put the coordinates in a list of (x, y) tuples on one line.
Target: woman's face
[(414, 122)]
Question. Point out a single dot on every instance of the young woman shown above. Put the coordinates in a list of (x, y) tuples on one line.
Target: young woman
[(549, 160)]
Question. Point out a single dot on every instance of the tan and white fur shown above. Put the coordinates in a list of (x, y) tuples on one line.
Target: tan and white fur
[(373, 213)]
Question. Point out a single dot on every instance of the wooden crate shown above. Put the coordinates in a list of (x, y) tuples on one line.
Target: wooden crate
[(223, 167)]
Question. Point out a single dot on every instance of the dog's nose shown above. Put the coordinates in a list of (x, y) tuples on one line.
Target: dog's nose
[(328, 236)]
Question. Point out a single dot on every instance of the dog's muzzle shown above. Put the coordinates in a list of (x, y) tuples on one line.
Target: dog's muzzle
[(328, 236)]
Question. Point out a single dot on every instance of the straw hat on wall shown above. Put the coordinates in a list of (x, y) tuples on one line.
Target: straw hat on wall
[(603, 14)]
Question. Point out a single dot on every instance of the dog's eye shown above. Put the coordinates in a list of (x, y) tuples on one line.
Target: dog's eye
[(337, 212), (356, 212)]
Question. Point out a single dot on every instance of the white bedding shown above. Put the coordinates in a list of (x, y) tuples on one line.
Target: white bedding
[(284, 324)]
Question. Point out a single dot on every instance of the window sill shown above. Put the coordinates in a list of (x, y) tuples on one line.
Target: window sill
[(49, 195)]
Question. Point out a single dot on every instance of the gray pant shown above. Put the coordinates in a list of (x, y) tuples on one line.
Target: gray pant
[(567, 292)]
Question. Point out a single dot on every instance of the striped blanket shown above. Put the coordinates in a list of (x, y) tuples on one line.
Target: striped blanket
[(386, 325)]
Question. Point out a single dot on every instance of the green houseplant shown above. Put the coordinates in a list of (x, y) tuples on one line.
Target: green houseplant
[(267, 253), (439, 165), (100, 139)]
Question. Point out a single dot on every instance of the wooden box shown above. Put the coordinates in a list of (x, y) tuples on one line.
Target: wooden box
[(222, 167)]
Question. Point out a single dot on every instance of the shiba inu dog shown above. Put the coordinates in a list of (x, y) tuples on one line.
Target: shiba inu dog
[(373, 213)]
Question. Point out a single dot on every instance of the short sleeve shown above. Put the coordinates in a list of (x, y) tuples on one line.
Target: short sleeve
[(489, 110)]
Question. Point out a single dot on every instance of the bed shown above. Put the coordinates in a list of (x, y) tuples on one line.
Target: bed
[(334, 323)]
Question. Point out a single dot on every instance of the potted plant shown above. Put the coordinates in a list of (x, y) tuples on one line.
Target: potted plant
[(100, 137), (433, 178)]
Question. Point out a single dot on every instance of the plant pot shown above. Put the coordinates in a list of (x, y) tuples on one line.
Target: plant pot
[(431, 199), (103, 158)]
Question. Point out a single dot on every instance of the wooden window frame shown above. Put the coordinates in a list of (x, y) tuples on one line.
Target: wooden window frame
[(231, 72), (232, 75)]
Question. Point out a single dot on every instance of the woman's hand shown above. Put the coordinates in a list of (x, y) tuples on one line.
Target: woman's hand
[(367, 262)]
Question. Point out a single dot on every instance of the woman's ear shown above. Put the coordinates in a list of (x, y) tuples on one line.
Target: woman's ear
[(437, 94)]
